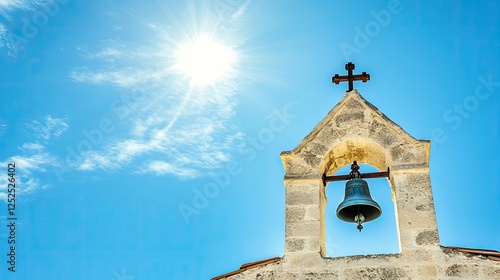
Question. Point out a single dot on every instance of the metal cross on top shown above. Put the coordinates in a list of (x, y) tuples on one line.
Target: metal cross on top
[(350, 77)]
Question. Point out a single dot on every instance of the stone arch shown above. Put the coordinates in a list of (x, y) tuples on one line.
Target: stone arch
[(364, 151)]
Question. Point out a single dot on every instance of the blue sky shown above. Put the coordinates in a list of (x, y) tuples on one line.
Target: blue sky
[(133, 161)]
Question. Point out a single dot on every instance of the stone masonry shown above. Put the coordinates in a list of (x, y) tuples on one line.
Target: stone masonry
[(356, 130)]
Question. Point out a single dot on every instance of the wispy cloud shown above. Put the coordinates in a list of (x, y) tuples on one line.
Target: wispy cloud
[(159, 167), (34, 146), (48, 128), (9, 5), (164, 138), (18, 21), (34, 160), (30, 164), (27, 169), (4, 39), (240, 12), (121, 78), (93, 160)]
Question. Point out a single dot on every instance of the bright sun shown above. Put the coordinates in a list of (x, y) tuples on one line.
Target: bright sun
[(205, 61)]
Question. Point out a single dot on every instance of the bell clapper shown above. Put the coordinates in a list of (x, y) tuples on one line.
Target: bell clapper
[(359, 219)]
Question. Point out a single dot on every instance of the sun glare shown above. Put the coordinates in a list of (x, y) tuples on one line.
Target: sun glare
[(205, 61)]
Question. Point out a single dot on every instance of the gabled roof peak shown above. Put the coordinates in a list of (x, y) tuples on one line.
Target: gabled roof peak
[(364, 130)]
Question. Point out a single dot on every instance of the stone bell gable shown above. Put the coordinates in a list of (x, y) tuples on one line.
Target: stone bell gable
[(355, 130)]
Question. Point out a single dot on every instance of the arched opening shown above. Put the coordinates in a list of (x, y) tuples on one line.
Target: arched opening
[(377, 237)]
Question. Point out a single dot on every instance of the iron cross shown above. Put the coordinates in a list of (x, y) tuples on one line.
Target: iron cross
[(350, 77)]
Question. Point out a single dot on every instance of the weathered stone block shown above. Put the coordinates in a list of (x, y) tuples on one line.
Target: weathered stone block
[(295, 213), (302, 197), (289, 276), (415, 195), (349, 118), (294, 244), (417, 220), (420, 180), (462, 270), (319, 276), (386, 273), (427, 271), (301, 185), (312, 244), (425, 207), (303, 228), (402, 154), (266, 276), (417, 256), (302, 261), (312, 212), (492, 272), (429, 237)]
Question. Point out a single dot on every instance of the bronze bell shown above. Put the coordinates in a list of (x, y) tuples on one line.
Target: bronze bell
[(358, 206)]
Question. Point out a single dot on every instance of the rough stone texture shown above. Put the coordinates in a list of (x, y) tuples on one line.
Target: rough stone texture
[(491, 272), (427, 271), (387, 273), (417, 256), (295, 244), (302, 198), (295, 213), (429, 237), (356, 130), (462, 270), (377, 267)]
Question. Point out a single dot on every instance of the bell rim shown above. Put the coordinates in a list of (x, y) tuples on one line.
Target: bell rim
[(367, 218)]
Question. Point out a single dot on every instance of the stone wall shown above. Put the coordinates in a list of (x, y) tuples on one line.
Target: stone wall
[(424, 264)]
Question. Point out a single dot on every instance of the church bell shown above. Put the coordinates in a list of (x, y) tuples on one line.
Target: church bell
[(358, 206)]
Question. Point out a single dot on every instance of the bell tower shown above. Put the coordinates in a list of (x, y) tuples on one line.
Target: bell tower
[(355, 130)]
